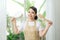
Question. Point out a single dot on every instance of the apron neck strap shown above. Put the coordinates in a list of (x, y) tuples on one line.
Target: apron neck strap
[(33, 21)]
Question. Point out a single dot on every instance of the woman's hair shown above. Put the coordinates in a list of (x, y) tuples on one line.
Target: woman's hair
[(35, 10)]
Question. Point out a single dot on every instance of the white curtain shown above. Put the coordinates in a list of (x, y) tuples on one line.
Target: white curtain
[(53, 13), (2, 20)]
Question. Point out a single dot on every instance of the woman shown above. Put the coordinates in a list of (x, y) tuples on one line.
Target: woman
[(31, 27)]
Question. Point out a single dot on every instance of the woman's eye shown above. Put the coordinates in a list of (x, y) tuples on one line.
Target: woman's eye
[(32, 12)]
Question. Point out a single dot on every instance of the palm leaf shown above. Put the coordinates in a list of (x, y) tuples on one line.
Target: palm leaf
[(42, 5), (28, 4), (21, 4), (44, 13)]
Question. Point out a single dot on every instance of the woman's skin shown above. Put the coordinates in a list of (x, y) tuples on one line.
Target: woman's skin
[(43, 32), (31, 15)]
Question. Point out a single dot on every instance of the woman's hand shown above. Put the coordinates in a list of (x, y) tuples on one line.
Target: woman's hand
[(44, 19), (13, 21), (40, 16), (15, 29), (43, 33), (50, 23)]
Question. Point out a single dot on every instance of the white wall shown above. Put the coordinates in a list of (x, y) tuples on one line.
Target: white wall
[(50, 15), (53, 12), (2, 20), (57, 18)]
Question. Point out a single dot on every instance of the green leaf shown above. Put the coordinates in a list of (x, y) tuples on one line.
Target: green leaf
[(43, 24), (8, 24), (42, 5), (12, 36), (32, 4), (28, 4), (44, 13), (21, 4), (39, 20)]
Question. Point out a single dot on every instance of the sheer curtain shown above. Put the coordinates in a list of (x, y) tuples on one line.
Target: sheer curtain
[(2, 20), (53, 13), (57, 19)]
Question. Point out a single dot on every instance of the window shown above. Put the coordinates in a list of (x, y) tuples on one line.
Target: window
[(15, 8)]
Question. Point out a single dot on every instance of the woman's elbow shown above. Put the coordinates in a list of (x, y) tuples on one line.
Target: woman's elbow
[(42, 35), (17, 32), (50, 22)]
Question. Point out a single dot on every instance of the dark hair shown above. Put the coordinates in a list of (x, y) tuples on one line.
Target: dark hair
[(35, 10)]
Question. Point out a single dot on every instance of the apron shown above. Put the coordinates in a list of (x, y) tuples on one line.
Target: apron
[(31, 33)]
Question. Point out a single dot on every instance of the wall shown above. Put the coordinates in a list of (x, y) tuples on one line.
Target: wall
[(53, 13), (57, 18)]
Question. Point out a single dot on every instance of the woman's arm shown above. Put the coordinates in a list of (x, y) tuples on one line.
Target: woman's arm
[(15, 29), (43, 32)]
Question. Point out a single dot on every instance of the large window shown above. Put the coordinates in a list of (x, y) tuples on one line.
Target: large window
[(15, 8)]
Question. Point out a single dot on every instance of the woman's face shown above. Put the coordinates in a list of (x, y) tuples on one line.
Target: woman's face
[(31, 14)]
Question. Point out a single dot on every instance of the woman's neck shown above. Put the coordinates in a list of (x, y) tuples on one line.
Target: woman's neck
[(31, 20)]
